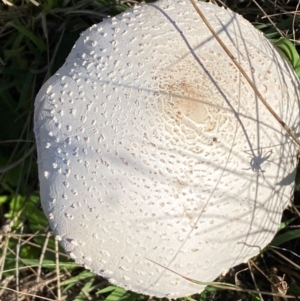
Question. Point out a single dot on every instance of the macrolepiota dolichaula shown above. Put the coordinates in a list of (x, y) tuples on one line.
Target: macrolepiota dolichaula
[(153, 148)]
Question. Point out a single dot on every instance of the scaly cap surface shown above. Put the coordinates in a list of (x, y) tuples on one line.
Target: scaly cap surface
[(151, 145)]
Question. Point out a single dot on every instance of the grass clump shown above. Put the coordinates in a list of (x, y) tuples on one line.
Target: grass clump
[(35, 38)]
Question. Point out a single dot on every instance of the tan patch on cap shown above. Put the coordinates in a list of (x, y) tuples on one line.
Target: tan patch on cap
[(190, 104), (186, 103)]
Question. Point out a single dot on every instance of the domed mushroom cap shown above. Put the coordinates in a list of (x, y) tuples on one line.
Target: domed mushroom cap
[(151, 145)]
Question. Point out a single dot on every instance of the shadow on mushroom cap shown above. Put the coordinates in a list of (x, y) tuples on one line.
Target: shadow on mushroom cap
[(152, 145)]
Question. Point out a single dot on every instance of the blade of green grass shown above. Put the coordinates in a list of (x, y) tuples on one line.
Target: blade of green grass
[(32, 37)]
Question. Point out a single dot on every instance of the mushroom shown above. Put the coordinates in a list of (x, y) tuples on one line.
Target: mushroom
[(155, 154)]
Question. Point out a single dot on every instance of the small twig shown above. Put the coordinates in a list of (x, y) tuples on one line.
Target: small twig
[(269, 19), (221, 285), (43, 251), (253, 279), (18, 247), (57, 270), (286, 259), (5, 283), (4, 254), (38, 246), (294, 20), (25, 294), (251, 83), (7, 3)]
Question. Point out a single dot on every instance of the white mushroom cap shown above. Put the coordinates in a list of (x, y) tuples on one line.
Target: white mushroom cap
[(151, 145)]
